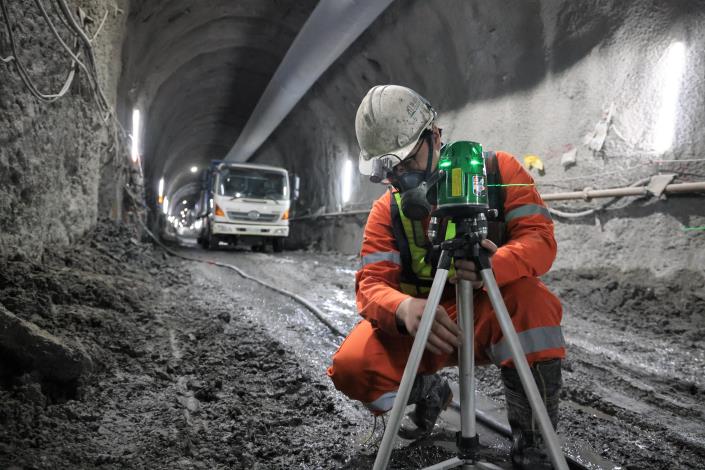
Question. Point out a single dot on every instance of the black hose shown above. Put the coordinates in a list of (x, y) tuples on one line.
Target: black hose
[(313, 309)]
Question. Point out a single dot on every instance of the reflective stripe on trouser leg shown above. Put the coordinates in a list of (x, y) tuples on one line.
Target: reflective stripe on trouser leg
[(532, 341), (383, 403)]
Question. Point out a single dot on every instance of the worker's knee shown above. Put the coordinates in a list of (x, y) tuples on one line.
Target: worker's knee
[(529, 296), (349, 365), (346, 365)]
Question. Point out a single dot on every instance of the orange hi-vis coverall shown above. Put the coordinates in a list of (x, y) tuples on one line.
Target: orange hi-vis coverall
[(369, 364)]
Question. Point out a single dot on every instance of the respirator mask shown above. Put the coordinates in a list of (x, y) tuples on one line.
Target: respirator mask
[(418, 188)]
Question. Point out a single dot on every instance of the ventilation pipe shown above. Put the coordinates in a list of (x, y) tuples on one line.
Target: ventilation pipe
[(331, 28)]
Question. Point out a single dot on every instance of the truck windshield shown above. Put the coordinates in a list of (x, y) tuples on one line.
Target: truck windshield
[(252, 183)]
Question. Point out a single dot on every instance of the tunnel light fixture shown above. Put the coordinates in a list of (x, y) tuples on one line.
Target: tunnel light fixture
[(136, 123), (347, 181), (194, 169), (672, 69), (161, 191), (165, 206)]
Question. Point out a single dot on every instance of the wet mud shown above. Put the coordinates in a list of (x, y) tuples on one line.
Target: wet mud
[(195, 367)]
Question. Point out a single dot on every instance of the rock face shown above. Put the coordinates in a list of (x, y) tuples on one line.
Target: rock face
[(37, 350), (55, 159)]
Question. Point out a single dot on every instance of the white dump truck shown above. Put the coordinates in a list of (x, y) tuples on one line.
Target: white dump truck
[(245, 203)]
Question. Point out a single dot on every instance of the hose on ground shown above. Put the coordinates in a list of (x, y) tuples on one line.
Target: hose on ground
[(312, 308)]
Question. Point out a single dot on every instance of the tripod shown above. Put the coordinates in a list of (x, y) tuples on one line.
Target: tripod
[(470, 230)]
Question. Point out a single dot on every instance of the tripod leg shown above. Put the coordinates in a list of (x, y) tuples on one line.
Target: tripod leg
[(412, 365), (522, 367), (466, 359)]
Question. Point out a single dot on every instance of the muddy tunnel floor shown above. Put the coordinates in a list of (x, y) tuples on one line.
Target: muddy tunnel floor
[(188, 365)]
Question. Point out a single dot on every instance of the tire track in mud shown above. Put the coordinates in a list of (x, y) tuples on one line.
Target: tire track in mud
[(244, 399), (629, 416)]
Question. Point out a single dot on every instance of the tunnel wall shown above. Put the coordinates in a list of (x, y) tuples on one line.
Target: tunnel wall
[(528, 78), (57, 164)]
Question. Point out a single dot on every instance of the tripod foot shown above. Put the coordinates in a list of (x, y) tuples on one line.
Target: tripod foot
[(467, 446)]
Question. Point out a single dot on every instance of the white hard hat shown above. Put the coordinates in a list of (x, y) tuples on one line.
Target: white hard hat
[(390, 121)]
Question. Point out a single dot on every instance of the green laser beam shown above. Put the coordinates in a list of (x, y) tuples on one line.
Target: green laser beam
[(689, 229), (511, 184)]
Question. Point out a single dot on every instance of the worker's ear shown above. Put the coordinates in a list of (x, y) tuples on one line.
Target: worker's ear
[(437, 132)]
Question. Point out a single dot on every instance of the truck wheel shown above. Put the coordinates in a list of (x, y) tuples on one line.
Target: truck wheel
[(213, 241), (277, 245)]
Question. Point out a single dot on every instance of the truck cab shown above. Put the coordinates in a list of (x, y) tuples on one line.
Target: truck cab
[(245, 203)]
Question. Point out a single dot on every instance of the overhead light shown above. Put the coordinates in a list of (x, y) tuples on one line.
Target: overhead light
[(165, 206), (136, 123), (194, 169), (161, 191), (347, 181), (184, 201), (672, 68)]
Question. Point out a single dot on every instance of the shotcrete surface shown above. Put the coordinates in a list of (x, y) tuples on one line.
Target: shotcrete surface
[(529, 78), (197, 367), (57, 166)]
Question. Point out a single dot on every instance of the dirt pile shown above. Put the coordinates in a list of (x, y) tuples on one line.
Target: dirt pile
[(79, 292), (667, 308), (176, 382)]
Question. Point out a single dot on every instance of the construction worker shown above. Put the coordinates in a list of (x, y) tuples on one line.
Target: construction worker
[(400, 145)]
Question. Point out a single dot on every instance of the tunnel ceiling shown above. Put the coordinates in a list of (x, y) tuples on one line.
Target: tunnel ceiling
[(196, 71)]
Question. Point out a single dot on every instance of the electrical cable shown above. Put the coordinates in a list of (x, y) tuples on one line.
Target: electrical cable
[(73, 55), (118, 129), (100, 27), (690, 229), (22, 72), (89, 50), (98, 95)]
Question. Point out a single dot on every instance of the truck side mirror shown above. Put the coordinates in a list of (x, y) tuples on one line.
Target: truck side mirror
[(294, 184)]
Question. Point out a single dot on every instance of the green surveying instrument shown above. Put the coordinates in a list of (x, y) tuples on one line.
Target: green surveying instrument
[(462, 188), (462, 196)]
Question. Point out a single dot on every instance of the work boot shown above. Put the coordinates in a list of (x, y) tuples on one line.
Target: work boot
[(528, 450), (431, 394)]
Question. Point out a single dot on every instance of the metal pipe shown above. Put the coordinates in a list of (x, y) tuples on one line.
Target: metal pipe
[(331, 28), (685, 188), (466, 358), (678, 188), (332, 214)]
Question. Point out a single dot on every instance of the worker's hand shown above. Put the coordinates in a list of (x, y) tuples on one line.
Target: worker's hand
[(445, 334), (466, 269)]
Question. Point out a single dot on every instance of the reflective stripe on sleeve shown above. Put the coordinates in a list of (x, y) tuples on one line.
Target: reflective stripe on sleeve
[(533, 340), (383, 403), (391, 256), (527, 209)]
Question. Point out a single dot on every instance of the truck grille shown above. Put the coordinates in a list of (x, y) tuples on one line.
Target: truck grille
[(253, 216)]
